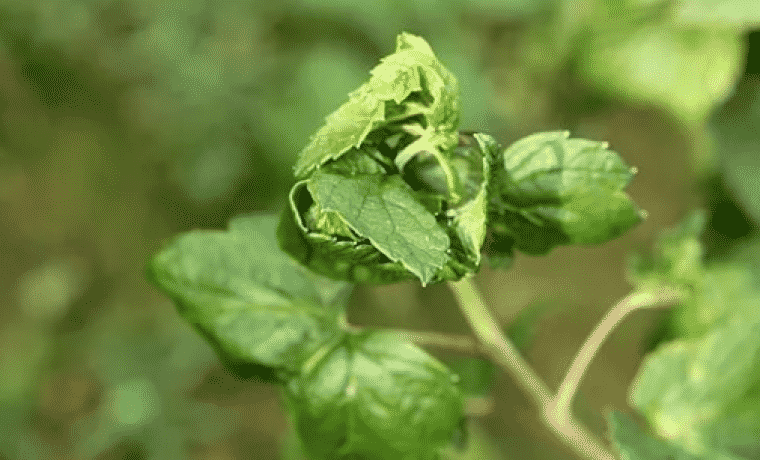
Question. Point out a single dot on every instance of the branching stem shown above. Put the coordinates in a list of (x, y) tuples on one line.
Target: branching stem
[(560, 407), (556, 410)]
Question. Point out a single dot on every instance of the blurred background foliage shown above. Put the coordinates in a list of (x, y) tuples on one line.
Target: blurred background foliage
[(124, 122)]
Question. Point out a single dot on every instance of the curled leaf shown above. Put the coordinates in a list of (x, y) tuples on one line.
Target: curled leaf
[(359, 219), (408, 84), (549, 190)]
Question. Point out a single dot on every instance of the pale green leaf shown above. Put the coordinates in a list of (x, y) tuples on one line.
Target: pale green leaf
[(734, 14), (408, 82), (693, 391), (676, 258), (634, 443), (684, 70)]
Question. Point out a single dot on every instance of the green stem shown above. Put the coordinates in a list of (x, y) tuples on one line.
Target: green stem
[(495, 343), (503, 352), (560, 407), (460, 344)]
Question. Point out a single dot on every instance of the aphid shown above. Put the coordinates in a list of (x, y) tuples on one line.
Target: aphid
[(459, 437)]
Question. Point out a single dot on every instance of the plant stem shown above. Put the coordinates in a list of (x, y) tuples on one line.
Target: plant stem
[(458, 343), (503, 352), (461, 344), (496, 344), (560, 407)]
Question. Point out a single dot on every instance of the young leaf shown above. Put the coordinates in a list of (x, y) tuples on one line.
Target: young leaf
[(676, 259), (338, 258), (469, 220), (698, 392), (633, 443), (408, 82), (374, 397), (383, 210), (248, 298), (550, 190), (372, 225)]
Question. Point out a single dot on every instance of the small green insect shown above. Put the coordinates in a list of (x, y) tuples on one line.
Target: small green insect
[(460, 435)]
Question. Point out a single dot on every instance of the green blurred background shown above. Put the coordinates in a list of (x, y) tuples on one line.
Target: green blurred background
[(124, 122)]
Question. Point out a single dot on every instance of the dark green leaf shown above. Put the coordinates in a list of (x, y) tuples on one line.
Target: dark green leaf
[(476, 375), (339, 259), (247, 297), (374, 397), (383, 210), (737, 142), (551, 190)]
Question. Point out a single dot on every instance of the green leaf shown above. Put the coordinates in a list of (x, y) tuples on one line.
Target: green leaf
[(406, 83), (737, 142), (735, 14), (720, 292), (633, 443), (358, 221), (676, 258), (701, 390), (337, 258), (383, 210), (550, 190), (673, 67), (476, 375), (697, 391), (247, 297), (374, 397), (469, 220)]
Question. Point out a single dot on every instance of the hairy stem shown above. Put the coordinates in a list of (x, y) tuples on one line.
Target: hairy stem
[(497, 345)]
